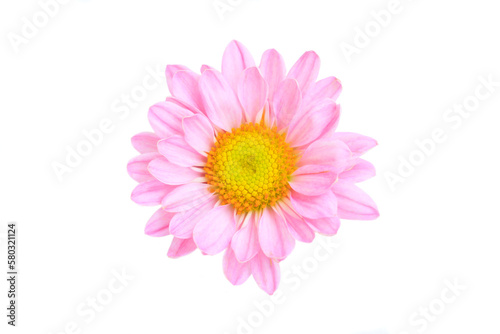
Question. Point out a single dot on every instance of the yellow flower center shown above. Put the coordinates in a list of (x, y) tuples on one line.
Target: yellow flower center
[(250, 167)]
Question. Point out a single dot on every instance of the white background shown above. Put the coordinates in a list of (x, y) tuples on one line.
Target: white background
[(441, 224)]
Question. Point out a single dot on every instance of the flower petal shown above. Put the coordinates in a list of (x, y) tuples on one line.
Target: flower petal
[(354, 203), (157, 225), (170, 71), (205, 67), (179, 152), (326, 88), (305, 70), (358, 144), (170, 173), (236, 272), (361, 171), (137, 167), (199, 133), (166, 118), (322, 152), (186, 197), (185, 87), (275, 240), (326, 226), (219, 100), (286, 102), (252, 93), (214, 232), (314, 207), (304, 128), (297, 226), (181, 247), (150, 192), (266, 273), (235, 60), (312, 180), (245, 241), (145, 142), (182, 225), (272, 67)]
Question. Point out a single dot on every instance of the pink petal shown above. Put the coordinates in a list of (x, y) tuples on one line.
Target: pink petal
[(308, 127), (177, 151), (327, 88), (236, 272), (137, 167), (184, 105), (145, 142), (297, 226), (235, 60), (252, 93), (314, 207), (213, 233), (170, 71), (182, 225), (362, 170), (219, 100), (186, 197), (185, 87), (150, 192), (181, 247), (245, 241), (305, 70), (326, 226), (275, 240), (358, 144), (199, 133), (272, 67), (312, 180), (170, 173), (166, 118), (332, 153), (205, 67), (354, 203), (157, 225), (266, 273), (286, 102)]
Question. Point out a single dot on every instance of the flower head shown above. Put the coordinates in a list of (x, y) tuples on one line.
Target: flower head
[(247, 161)]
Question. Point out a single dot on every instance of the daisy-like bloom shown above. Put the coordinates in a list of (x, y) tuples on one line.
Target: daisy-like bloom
[(247, 161)]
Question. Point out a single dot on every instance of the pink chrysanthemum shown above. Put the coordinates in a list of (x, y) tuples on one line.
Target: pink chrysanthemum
[(247, 160)]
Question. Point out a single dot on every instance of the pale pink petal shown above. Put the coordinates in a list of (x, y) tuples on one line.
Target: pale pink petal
[(157, 225), (186, 197), (178, 151), (182, 225), (199, 133), (220, 102), (322, 152), (326, 88), (236, 272), (314, 207), (305, 70), (312, 180), (185, 87), (286, 102), (297, 226), (272, 67), (245, 241), (266, 273), (170, 71), (170, 173), (150, 192), (358, 144), (326, 226), (184, 105), (205, 67), (252, 93), (214, 231), (329, 131), (235, 60), (354, 203), (145, 142), (166, 118), (361, 171), (181, 247), (274, 238), (137, 167), (308, 127)]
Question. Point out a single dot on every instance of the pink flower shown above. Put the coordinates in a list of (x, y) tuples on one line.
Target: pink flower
[(247, 161)]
